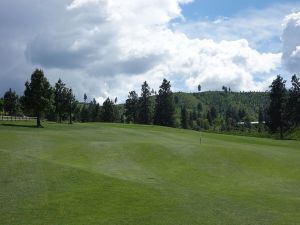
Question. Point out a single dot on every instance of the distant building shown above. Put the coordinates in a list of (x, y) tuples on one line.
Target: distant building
[(252, 123)]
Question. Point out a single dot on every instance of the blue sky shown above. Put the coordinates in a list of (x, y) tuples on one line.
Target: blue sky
[(106, 48), (225, 8)]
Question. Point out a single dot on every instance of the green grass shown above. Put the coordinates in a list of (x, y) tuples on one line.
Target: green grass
[(114, 174)]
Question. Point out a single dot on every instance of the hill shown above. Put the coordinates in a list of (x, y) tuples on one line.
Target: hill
[(250, 102), (129, 174)]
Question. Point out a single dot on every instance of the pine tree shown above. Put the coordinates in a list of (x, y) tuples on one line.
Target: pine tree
[(199, 88), (165, 106), (71, 104), (131, 107), (199, 109), (277, 110), (84, 114), (84, 97), (214, 113), (60, 99), (107, 113), (10, 102), (209, 117), (1, 105), (37, 95), (94, 110), (145, 105), (294, 102)]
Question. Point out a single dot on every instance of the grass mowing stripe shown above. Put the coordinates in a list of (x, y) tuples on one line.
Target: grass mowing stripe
[(129, 174)]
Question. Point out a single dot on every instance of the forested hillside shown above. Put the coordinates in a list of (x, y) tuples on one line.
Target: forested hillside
[(217, 107), (250, 102)]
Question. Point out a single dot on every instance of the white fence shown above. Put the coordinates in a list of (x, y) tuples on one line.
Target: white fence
[(16, 118)]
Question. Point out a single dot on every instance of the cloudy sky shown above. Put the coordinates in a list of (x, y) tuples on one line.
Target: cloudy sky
[(106, 48)]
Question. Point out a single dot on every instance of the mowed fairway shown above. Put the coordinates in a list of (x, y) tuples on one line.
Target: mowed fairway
[(114, 174)]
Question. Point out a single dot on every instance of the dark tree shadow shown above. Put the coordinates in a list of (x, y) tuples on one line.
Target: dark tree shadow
[(19, 125)]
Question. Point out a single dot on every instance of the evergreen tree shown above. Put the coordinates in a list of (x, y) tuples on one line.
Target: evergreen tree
[(165, 107), (60, 99), (1, 105), (107, 113), (212, 115), (37, 95), (184, 118), (294, 102), (199, 88), (199, 109), (242, 114), (51, 115), (10, 102), (94, 109), (71, 104), (231, 118), (145, 105), (84, 114), (213, 112), (131, 107), (277, 109), (195, 117), (209, 117), (84, 97), (225, 89)]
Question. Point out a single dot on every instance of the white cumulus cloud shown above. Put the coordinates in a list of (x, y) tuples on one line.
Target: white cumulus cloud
[(144, 47), (291, 42), (109, 47)]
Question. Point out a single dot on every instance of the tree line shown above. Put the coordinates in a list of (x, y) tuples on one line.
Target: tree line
[(58, 103), (284, 110), (147, 109), (275, 111)]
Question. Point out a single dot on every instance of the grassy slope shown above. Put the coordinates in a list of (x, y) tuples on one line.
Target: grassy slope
[(128, 174)]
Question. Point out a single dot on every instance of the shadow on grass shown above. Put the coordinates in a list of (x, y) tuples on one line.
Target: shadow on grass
[(19, 125)]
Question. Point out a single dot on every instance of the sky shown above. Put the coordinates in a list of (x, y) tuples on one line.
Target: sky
[(106, 48)]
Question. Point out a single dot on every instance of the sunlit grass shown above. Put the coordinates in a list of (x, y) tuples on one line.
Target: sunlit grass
[(114, 174)]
